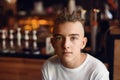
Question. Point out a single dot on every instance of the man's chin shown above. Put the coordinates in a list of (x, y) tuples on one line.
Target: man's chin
[(66, 58)]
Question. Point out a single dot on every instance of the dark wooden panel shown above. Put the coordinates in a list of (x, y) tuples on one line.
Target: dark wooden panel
[(116, 60), (20, 68)]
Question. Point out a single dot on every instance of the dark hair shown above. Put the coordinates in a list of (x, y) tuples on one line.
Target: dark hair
[(65, 16)]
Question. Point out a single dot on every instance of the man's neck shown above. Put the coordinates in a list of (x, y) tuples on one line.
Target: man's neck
[(75, 63)]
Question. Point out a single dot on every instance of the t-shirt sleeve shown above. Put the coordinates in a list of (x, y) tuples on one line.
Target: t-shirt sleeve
[(103, 76)]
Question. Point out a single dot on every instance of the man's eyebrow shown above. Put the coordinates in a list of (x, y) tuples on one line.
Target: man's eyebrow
[(54, 35), (74, 35)]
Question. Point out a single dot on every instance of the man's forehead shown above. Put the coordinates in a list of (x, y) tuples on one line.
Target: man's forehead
[(69, 28)]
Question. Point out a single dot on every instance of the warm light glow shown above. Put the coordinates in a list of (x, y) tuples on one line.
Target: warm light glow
[(51, 22), (34, 23), (28, 21), (43, 22), (11, 1), (21, 22), (27, 27)]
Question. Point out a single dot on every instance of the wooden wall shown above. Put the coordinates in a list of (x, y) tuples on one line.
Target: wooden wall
[(20, 68), (116, 67)]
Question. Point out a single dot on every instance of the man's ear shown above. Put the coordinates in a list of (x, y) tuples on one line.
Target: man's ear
[(84, 42)]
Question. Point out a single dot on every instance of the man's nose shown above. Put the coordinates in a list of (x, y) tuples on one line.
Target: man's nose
[(66, 43)]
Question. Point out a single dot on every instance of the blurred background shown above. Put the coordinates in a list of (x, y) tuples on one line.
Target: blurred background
[(26, 26)]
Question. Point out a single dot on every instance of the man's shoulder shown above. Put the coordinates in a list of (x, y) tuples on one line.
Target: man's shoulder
[(95, 62), (93, 59), (52, 60)]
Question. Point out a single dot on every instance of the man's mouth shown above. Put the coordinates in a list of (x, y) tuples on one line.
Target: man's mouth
[(67, 53)]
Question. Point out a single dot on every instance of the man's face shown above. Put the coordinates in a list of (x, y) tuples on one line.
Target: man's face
[(68, 39)]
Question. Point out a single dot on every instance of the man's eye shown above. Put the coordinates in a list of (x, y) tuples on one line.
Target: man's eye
[(58, 38), (74, 38)]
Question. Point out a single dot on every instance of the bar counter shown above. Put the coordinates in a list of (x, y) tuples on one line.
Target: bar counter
[(19, 66), (23, 55)]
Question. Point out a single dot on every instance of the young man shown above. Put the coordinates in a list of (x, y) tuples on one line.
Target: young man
[(70, 63)]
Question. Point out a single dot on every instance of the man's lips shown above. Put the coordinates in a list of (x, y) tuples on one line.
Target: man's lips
[(67, 53)]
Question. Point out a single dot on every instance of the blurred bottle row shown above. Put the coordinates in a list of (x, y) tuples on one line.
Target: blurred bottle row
[(30, 32), (28, 42)]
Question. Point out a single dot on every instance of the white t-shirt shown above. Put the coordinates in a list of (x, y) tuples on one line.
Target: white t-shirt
[(91, 69)]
